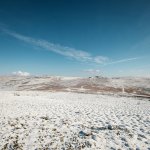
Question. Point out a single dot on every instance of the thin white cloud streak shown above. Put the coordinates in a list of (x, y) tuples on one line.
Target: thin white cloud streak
[(62, 50), (124, 60), (78, 55)]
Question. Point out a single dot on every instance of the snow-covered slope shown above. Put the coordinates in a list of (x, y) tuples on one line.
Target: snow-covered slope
[(140, 86), (32, 120)]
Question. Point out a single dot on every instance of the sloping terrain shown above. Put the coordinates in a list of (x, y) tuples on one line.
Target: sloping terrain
[(124, 86), (68, 113)]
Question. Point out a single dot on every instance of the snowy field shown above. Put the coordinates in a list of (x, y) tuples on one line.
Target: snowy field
[(73, 121)]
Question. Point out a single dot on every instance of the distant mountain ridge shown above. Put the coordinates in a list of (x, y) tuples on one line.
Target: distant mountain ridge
[(118, 85)]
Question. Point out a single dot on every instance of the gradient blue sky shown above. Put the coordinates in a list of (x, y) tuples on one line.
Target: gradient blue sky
[(75, 37)]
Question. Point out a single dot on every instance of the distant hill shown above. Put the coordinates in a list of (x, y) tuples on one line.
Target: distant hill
[(103, 85)]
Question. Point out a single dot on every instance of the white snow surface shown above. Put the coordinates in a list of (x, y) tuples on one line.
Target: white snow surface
[(32, 120)]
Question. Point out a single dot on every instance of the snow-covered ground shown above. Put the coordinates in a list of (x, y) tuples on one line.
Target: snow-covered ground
[(32, 120)]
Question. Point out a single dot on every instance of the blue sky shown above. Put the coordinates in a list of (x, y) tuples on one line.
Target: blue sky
[(75, 38)]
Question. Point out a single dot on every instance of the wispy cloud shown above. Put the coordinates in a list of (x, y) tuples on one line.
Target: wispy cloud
[(21, 73), (78, 55), (93, 71), (124, 60), (69, 52)]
